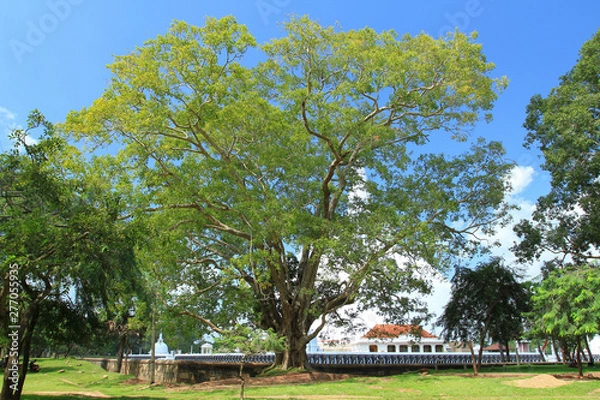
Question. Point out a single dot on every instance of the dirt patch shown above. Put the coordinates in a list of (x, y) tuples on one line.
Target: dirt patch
[(318, 397), (588, 377), (70, 383), (544, 381), (133, 381), (85, 394), (404, 390), (504, 375)]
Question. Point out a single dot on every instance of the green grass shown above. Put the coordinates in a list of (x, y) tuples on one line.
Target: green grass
[(83, 377)]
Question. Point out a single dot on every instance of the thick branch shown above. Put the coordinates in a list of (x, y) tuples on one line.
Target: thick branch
[(205, 321)]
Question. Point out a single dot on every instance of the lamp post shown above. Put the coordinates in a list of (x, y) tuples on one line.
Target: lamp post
[(153, 344)]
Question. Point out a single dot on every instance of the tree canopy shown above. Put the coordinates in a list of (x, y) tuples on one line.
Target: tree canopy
[(566, 127), (283, 191), (486, 303), (61, 239), (566, 305)]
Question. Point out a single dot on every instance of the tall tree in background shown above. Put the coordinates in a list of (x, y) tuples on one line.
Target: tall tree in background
[(281, 192), (486, 303), (566, 306), (61, 240), (566, 127)]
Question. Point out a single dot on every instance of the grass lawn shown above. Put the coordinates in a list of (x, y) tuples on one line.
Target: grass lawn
[(82, 380)]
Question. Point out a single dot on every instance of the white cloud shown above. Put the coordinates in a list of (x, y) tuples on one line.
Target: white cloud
[(437, 300), (506, 237), (520, 177), (6, 116), (7, 123), (358, 194)]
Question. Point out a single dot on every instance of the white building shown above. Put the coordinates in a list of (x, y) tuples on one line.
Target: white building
[(160, 347), (390, 338), (595, 344)]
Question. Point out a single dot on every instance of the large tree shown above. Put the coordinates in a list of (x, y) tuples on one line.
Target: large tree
[(566, 127), (487, 302), (566, 306), (283, 191), (61, 240)]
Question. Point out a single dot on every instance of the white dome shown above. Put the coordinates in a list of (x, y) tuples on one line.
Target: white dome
[(161, 347)]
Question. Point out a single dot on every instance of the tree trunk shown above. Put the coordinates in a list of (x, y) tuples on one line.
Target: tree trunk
[(473, 359), (589, 351), (579, 361), (480, 355), (127, 353), (242, 379), (122, 345), (566, 356), (295, 322), (556, 350), (153, 346), (68, 351), (15, 374), (294, 356), (541, 350), (12, 375)]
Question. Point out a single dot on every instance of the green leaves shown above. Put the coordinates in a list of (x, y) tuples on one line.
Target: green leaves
[(61, 225), (248, 340), (566, 127), (307, 152), (566, 304), (486, 303)]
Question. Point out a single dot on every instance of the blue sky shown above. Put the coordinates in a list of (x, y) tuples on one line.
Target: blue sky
[(53, 53)]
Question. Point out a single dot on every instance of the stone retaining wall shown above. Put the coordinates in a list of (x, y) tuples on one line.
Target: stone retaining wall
[(177, 371)]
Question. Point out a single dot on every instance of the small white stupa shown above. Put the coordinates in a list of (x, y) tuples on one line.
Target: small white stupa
[(161, 348), (206, 348)]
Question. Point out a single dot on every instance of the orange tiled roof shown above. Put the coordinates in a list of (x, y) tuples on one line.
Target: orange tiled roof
[(492, 347), (389, 331)]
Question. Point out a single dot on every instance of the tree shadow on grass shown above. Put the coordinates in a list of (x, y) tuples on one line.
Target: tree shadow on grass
[(47, 370), (81, 397)]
